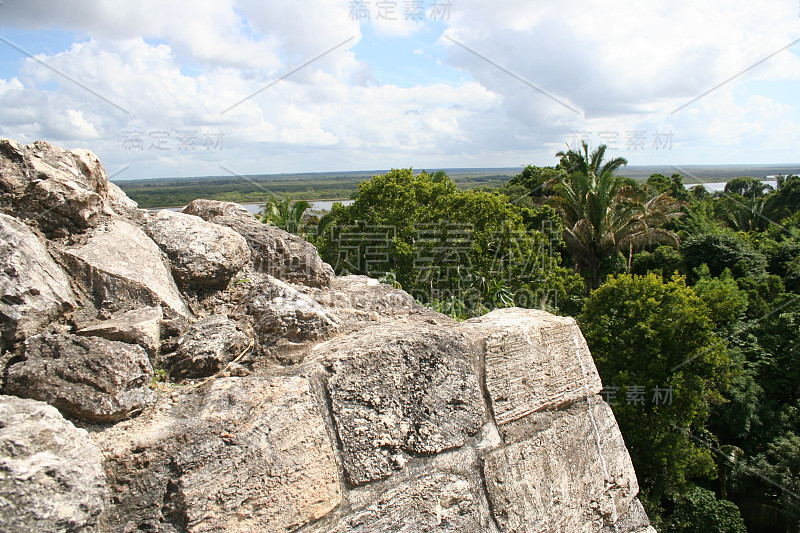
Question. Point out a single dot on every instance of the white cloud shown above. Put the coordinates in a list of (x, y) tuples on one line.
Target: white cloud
[(628, 65), (607, 57), (158, 68)]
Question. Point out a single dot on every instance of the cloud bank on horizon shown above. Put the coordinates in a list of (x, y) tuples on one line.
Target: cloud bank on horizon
[(168, 88)]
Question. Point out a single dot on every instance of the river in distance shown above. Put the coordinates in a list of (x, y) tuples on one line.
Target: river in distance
[(316, 205), (325, 205)]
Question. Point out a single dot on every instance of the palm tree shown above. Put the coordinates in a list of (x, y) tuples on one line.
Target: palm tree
[(746, 214), (284, 214), (648, 228), (575, 162), (603, 215)]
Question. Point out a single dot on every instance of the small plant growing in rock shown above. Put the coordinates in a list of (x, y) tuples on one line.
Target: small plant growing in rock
[(390, 278), (159, 376)]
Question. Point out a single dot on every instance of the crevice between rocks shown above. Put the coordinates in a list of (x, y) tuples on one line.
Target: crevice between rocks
[(173, 506), (318, 379), (487, 399), (481, 368), (12, 360), (485, 489)]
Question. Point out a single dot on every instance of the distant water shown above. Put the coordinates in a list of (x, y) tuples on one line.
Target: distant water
[(319, 205), (326, 205), (720, 185)]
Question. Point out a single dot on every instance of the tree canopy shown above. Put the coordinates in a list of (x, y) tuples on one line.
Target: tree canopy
[(648, 335), (441, 243)]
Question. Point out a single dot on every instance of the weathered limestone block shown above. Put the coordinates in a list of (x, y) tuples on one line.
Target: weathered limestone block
[(51, 477), (13, 177), (140, 326), (441, 493), (276, 252), (86, 162), (440, 502), (89, 378), (207, 346), (283, 316), (533, 361), (400, 390), (119, 201), (120, 265), (33, 289), (635, 520), (65, 205), (573, 476), (240, 455), (63, 190), (367, 295), (203, 255)]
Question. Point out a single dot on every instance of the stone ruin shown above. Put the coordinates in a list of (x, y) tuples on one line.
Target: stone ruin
[(297, 401)]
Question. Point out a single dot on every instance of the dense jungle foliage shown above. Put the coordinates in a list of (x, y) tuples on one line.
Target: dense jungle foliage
[(690, 303)]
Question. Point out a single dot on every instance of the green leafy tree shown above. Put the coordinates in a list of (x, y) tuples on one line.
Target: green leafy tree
[(785, 201), (742, 213), (765, 294), (781, 246), (591, 166), (659, 183), (726, 302), (439, 240), (595, 220), (646, 333), (747, 187), (763, 416), (650, 224), (723, 250), (698, 193), (664, 260), (699, 218), (537, 181), (672, 186), (697, 510), (780, 464)]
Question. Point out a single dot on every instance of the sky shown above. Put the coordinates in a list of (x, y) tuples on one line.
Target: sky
[(160, 88)]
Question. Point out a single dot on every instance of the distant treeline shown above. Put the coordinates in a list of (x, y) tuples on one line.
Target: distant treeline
[(256, 189)]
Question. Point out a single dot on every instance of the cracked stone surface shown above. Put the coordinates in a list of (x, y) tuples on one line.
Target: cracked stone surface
[(398, 391), (66, 372), (33, 289), (51, 477), (533, 361), (121, 266), (206, 347), (240, 455), (568, 477), (276, 252), (203, 255), (139, 326)]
